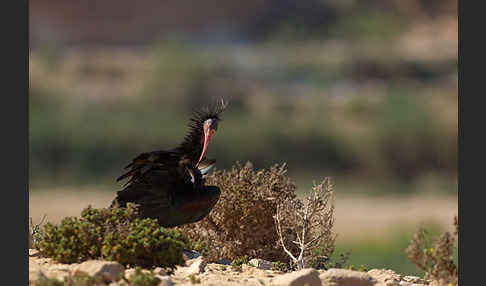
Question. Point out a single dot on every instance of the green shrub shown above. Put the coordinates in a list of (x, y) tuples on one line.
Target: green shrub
[(325, 261), (361, 268), (240, 261), (280, 266), (241, 223), (200, 246), (141, 278), (237, 263), (112, 234), (436, 258), (194, 279)]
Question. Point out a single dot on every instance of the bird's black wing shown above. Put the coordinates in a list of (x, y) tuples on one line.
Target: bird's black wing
[(146, 162), (155, 188), (155, 194), (156, 176)]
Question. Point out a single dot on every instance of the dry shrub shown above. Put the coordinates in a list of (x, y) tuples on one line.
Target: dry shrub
[(242, 223), (435, 258), (311, 221)]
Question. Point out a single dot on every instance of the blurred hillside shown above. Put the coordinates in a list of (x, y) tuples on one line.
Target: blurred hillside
[(123, 22), (364, 93)]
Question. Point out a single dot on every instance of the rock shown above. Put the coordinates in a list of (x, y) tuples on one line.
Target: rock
[(251, 270), (129, 272), (404, 283), (190, 262), (57, 271), (197, 266), (344, 277), (223, 261), (33, 252), (35, 271), (54, 271), (261, 263), (165, 280), (190, 254), (413, 279), (61, 267), (160, 271), (56, 274), (302, 277), (109, 271), (247, 268), (386, 277)]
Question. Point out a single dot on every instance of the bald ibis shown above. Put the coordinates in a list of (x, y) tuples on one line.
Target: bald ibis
[(169, 185)]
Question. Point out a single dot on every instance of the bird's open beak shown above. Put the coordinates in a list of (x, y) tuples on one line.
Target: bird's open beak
[(208, 134)]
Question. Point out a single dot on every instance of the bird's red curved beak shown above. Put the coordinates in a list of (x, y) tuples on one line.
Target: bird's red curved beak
[(208, 134)]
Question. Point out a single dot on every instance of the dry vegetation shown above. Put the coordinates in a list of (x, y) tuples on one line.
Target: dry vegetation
[(435, 258), (257, 216), (241, 223), (259, 213), (241, 226), (311, 221)]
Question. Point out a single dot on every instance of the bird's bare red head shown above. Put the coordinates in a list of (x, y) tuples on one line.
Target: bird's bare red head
[(210, 126), (203, 125)]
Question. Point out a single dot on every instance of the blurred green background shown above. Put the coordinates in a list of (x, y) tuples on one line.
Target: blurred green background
[(365, 92)]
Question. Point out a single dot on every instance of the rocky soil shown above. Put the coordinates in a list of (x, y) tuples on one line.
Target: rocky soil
[(197, 271)]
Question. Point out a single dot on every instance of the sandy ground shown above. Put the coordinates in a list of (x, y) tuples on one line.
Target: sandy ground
[(356, 217)]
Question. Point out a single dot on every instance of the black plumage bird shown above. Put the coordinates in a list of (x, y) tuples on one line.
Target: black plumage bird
[(169, 184)]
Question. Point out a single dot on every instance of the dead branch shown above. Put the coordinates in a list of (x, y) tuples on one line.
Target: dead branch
[(312, 223)]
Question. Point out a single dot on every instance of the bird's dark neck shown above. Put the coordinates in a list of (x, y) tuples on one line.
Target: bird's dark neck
[(191, 147)]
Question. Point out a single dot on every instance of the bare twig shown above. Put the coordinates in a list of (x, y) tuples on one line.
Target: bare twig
[(34, 230), (312, 223), (279, 232)]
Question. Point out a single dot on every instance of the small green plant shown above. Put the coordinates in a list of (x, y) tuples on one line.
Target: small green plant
[(194, 279), (361, 268), (325, 262), (141, 278), (280, 266), (200, 246), (115, 234), (240, 261), (237, 263), (435, 258)]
